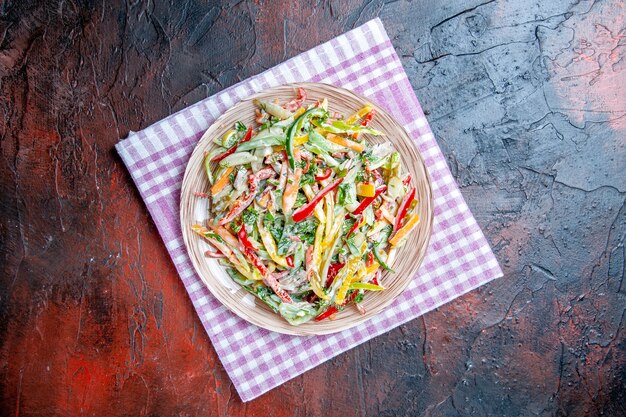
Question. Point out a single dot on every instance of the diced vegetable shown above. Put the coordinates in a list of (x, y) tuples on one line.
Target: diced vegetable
[(243, 238), (357, 223), (318, 210), (266, 295), (368, 118), (301, 140), (365, 189), (324, 144), (330, 243), (207, 167), (299, 112), (292, 187), (395, 187), (273, 283), (326, 314), (348, 128), (379, 258), (393, 164), (343, 278), (324, 175)]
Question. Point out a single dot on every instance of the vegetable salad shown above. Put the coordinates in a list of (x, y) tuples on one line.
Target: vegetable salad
[(304, 213)]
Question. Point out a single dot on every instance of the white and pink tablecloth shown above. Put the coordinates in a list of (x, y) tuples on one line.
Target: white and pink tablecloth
[(459, 258)]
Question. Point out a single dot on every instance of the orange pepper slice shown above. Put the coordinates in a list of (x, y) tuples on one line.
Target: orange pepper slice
[(345, 142), (221, 183), (404, 230)]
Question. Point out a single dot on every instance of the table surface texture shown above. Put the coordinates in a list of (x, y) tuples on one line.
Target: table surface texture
[(527, 100)]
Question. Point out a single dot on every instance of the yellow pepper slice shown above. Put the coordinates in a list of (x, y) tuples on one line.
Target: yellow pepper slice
[(359, 115), (270, 245), (345, 142), (319, 208), (329, 205), (221, 183), (316, 279), (316, 286), (405, 230), (345, 277), (301, 140), (371, 269), (360, 274), (353, 265), (299, 112), (365, 189), (378, 226), (317, 246)]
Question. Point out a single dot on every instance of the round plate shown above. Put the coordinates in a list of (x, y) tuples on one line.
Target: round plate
[(194, 210)]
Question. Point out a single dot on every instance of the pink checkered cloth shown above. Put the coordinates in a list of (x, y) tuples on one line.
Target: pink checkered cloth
[(459, 258)]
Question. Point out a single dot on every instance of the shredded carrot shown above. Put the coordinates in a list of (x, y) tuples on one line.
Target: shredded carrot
[(221, 183)]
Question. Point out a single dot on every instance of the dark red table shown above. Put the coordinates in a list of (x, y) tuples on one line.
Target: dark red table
[(527, 100)]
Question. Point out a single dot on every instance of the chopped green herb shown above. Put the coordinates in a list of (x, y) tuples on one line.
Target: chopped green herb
[(250, 215), (300, 200), (215, 236), (308, 178), (235, 227), (274, 225), (266, 295), (368, 155), (347, 225), (305, 230)]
